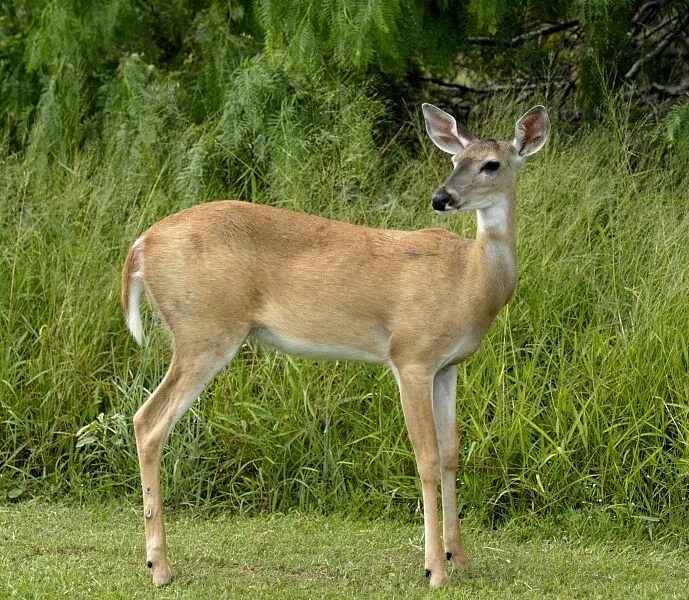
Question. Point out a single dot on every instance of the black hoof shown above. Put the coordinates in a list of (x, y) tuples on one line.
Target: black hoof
[(448, 555), (428, 573), (149, 564)]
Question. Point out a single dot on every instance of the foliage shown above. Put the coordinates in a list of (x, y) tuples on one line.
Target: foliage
[(575, 398), (116, 116), (62, 63)]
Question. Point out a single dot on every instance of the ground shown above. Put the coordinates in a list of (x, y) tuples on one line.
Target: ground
[(94, 551)]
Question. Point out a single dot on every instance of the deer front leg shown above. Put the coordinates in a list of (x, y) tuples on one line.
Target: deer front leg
[(416, 391), (444, 414)]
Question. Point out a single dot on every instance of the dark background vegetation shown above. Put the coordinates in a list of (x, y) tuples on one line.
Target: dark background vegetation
[(575, 51), (116, 113)]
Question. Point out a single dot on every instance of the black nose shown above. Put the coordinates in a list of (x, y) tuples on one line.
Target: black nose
[(440, 199)]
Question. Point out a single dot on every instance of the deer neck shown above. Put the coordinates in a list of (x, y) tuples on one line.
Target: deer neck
[(496, 250)]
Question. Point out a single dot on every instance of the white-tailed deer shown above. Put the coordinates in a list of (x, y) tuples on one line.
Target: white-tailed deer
[(417, 301)]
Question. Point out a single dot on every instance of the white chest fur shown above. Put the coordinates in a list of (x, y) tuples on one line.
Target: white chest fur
[(494, 226)]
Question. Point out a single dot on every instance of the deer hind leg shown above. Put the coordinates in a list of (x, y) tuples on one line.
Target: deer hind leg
[(188, 374), (444, 414), (416, 391)]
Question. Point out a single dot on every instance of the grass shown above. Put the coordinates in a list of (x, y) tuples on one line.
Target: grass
[(573, 417), (576, 398), (58, 551)]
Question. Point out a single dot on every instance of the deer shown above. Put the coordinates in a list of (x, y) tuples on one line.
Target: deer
[(419, 302)]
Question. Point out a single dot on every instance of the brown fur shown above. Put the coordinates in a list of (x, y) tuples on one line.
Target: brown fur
[(419, 301), (259, 266)]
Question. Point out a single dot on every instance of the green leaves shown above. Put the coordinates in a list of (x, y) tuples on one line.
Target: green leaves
[(117, 113), (487, 14), (15, 492)]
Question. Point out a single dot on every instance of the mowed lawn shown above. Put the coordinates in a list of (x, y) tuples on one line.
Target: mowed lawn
[(51, 551)]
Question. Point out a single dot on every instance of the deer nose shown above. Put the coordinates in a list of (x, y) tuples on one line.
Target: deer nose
[(440, 199)]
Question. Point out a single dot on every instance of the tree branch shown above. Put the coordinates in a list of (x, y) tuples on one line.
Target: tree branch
[(675, 90), (447, 84), (543, 32), (657, 51), (643, 8), (490, 89)]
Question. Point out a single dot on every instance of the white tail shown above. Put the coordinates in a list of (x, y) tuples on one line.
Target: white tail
[(417, 301), (132, 286)]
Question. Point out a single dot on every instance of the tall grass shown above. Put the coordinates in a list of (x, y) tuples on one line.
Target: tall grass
[(577, 397)]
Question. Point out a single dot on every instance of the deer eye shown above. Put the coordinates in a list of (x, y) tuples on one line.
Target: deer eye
[(491, 165)]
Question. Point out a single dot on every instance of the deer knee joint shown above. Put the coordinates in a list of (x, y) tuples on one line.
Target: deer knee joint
[(429, 470), (448, 461)]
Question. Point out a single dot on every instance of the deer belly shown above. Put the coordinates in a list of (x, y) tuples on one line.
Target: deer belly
[(463, 349), (296, 346)]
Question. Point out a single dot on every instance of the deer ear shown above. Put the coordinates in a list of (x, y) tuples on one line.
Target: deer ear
[(444, 131), (531, 131)]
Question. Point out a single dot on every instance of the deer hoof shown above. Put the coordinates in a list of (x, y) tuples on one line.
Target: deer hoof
[(438, 578), (460, 560), (161, 575)]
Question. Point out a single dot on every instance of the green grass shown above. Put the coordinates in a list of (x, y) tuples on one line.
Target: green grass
[(573, 417), (56, 551), (576, 398)]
